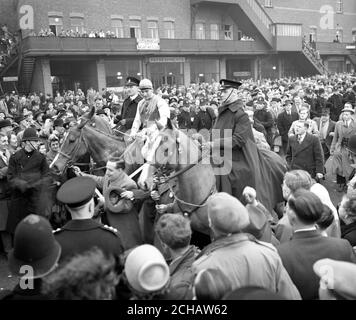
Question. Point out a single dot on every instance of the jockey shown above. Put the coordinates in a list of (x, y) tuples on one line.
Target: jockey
[(149, 110)]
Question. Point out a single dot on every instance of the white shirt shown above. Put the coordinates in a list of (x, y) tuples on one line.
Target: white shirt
[(301, 138), (134, 97)]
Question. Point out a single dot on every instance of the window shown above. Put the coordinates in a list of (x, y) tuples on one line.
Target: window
[(339, 6), (169, 29), (354, 35), (214, 31), (77, 24), (199, 31), (153, 29), (118, 27), (55, 24), (135, 29), (268, 3), (228, 32)]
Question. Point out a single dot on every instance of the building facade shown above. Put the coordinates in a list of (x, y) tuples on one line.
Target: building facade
[(176, 42)]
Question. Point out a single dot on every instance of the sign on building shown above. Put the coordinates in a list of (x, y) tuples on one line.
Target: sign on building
[(148, 44), (242, 74), (10, 79), (165, 59)]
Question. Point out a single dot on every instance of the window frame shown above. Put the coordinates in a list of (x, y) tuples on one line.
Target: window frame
[(77, 28), (169, 33), (137, 29), (339, 6), (268, 4), (153, 33), (55, 24), (216, 32), (230, 31), (200, 34), (117, 29)]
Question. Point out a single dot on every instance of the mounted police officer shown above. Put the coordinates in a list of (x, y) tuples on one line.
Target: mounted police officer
[(82, 232)]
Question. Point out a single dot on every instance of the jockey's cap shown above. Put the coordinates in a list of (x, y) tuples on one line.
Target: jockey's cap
[(145, 84)]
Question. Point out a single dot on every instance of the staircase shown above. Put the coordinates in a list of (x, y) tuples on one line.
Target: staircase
[(259, 18), (26, 68), (313, 59)]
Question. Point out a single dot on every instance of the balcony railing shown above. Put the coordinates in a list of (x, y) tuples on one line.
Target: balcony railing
[(93, 46)]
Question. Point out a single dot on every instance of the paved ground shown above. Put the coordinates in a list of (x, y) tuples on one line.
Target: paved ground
[(8, 282)]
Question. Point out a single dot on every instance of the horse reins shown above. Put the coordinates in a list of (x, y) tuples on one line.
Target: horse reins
[(180, 201)]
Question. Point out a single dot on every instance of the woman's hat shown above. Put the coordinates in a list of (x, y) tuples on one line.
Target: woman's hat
[(34, 247), (30, 134), (146, 270)]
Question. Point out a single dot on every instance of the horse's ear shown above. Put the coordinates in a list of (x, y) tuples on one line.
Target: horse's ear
[(159, 126)]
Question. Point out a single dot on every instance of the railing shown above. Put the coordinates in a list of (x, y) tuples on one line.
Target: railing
[(314, 56), (123, 46), (261, 14)]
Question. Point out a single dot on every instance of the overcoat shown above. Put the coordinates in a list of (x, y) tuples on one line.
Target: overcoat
[(241, 163), (28, 175)]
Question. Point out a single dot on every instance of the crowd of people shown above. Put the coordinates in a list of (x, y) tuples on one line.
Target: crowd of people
[(145, 249), (8, 45), (70, 33)]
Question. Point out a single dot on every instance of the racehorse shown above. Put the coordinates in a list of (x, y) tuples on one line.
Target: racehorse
[(95, 136), (174, 150)]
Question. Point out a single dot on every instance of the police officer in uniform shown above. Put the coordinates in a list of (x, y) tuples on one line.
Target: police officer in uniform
[(129, 107), (82, 232)]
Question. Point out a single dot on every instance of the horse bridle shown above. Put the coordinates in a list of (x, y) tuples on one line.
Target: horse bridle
[(180, 172)]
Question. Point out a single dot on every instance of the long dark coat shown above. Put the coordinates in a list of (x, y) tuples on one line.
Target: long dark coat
[(28, 176), (261, 170), (128, 113)]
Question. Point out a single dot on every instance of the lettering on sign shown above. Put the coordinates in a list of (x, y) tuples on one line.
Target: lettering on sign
[(242, 73), (166, 59), (148, 44), (9, 79)]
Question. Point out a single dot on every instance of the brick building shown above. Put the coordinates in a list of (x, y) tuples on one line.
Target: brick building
[(178, 42)]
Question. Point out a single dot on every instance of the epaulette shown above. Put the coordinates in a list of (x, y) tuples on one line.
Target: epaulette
[(111, 229), (267, 244), (57, 230)]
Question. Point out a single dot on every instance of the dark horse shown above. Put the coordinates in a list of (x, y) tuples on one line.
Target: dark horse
[(94, 135)]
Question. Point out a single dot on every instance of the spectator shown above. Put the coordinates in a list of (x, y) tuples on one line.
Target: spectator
[(175, 233)]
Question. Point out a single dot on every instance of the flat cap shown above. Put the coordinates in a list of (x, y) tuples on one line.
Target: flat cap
[(227, 213), (77, 191), (225, 83), (5, 123)]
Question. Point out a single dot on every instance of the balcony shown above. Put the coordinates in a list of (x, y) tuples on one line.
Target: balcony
[(37, 46), (330, 48)]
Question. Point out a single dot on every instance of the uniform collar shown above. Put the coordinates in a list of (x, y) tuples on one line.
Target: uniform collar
[(81, 224)]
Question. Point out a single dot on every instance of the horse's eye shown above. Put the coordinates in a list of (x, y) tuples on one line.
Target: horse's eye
[(166, 153), (165, 138), (71, 139)]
